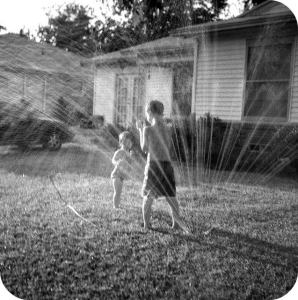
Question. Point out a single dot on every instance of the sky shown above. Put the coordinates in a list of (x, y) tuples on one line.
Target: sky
[(29, 14)]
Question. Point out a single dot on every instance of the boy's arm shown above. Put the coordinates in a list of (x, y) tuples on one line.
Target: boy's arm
[(144, 139), (144, 135)]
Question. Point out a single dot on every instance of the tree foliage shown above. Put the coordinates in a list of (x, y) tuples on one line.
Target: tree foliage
[(144, 20), (70, 29), (248, 4), (156, 18)]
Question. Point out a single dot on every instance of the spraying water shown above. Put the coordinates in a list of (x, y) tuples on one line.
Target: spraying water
[(208, 148)]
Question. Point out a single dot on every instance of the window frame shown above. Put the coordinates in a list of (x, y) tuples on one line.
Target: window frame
[(268, 42), (129, 107), (176, 94)]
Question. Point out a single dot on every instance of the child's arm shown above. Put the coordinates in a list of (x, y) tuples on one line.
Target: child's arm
[(117, 157)]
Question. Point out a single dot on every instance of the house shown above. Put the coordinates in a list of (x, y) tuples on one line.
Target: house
[(246, 68), (42, 74), (242, 70), (126, 80)]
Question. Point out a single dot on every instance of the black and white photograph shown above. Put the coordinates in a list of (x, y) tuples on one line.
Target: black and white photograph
[(148, 149)]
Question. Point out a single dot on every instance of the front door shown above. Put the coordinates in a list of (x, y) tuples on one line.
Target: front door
[(129, 99)]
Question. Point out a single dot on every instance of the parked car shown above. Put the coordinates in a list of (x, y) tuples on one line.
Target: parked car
[(30, 129)]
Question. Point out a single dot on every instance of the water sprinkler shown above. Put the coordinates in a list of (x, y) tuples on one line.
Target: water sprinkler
[(67, 204)]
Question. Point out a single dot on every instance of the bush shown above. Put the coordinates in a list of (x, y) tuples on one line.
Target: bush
[(284, 146), (255, 147), (195, 140), (111, 133), (182, 139), (227, 145)]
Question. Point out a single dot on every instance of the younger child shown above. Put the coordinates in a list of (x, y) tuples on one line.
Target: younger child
[(121, 160), (159, 180)]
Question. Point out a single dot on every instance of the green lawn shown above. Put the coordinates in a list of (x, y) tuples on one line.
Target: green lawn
[(47, 252)]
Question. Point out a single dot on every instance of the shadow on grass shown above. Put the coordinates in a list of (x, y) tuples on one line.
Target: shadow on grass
[(241, 246)]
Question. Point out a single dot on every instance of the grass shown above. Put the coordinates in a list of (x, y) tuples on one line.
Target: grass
[(50, 253)]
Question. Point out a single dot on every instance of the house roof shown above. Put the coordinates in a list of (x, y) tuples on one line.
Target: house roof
[(233, 24), (159, 47), (266, 8), (269, 12), (182, 39), (18, 53)]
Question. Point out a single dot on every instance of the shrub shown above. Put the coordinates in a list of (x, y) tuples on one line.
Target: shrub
[(195, 140), (111, 133), (259, 147), (182, 138)]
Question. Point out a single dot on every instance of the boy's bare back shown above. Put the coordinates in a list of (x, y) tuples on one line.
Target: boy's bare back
[(159, 142)]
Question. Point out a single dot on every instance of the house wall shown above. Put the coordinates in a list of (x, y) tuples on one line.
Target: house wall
[(42, 90), (220, 77), (294, 103), (104, 93), (159, 86)]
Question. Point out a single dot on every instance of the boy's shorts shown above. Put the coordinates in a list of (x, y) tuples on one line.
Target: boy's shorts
[(118, 174), (159, 180)]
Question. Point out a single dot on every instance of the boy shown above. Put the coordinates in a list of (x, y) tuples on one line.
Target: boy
[(159, 180)]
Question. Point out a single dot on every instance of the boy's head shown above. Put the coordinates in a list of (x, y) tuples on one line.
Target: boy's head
[(125, 139), (154, 108)]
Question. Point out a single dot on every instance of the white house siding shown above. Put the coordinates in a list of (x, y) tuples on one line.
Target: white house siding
[(35, 91), (220, 78), (104, 93), (11, 86), (159, 82), (294, 98)]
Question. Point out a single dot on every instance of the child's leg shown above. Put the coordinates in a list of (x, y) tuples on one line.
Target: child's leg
[(146, 209), (172, 201), (117, 185)]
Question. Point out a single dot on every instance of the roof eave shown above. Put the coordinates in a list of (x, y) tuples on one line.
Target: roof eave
[(232, 25), (132, 56)]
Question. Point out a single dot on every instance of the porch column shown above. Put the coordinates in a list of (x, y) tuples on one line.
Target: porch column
[(194, 78), (44, 100), (196, 154)]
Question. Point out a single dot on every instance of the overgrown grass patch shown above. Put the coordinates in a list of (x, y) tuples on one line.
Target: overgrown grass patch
[(47, 252)]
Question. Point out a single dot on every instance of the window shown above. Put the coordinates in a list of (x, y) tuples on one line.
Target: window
[(129, 101), (268, 82), (182, 89)]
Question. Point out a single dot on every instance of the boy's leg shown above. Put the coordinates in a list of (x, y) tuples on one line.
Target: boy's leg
[(172, 201), (146, 210), (117, 185)]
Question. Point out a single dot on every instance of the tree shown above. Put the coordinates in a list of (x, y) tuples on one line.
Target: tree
[(248, 4), (144, 20), (2, 28), (70, 30), (156, 18), (113, 35)]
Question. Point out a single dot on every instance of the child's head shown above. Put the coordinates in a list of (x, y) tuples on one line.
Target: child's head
[(154, 109), (125, 140)]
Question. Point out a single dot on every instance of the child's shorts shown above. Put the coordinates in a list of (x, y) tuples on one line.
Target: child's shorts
[(118, 174), (159, 180)]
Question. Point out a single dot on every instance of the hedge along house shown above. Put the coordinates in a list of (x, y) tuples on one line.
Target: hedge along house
[(126, 80), (42, 74)]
